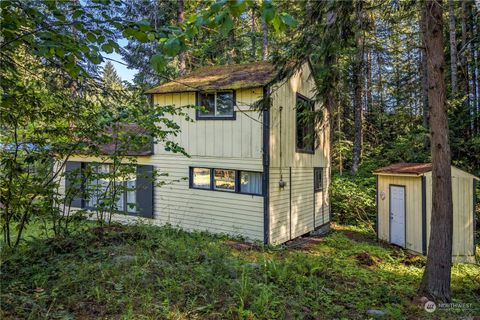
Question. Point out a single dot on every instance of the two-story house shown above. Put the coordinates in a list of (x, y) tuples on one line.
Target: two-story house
[(263, 175)]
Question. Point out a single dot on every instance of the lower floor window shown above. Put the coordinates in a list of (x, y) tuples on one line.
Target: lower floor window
[(247, 182), (318, 179), (105, 191), (224, 180), (201, 178), (251, 182)]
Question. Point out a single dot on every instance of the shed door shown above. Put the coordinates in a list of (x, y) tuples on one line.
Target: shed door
[(397, 215)]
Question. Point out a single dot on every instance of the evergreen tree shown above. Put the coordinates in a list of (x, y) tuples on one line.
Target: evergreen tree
[(110, 77)]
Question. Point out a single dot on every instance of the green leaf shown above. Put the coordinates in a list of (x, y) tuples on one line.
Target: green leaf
[(226, 25), (158, 62), (144, 25), (199, 21), (217, 6), (77, 13), (268, 12), (151, 36), (140, 36), (238, 7), (108, 48), (277, 23), (91, 37), (172, 46), (288, 20)]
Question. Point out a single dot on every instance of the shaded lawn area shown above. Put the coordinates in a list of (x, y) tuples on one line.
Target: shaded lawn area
[(148, 272)]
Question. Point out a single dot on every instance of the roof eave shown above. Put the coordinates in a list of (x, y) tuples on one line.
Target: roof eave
[(399, 174)]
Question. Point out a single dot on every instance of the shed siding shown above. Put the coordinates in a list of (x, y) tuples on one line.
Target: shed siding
[(193, 209), (240, 138), (463, 222), (413, 214), (295, 213)]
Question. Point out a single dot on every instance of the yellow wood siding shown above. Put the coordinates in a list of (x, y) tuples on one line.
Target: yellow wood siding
[(283, 156), (463, 222), (193, 209), (279, 206), (413, 209), (322, 201), (302, 201), (239, 138)]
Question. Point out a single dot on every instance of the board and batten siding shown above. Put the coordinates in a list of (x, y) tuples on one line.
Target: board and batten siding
[(291, 209), (205, 210), (222, 144), (239, 138), (463, 220), (413, 209)]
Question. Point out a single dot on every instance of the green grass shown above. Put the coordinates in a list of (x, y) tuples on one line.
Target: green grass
[(147, 272)]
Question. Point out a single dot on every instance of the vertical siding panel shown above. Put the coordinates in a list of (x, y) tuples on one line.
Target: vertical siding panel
[(218, 138), (210, 139), (246, 133), (192, 126)]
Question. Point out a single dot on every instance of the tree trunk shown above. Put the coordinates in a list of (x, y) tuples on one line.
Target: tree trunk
[(423, 62), (253, 31), (475, 82), (424, 77), (264, 40), (453, 46), (464, 72), (180, 19), (436, 278), (369, 88), (358, 81)]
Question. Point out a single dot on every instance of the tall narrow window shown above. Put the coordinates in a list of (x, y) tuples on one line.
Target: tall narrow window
[(305, 125), (131, 195), (218, 105), (318, 179)]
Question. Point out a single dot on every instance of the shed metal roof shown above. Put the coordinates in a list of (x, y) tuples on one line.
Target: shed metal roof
[(234, 76), (406, 168), (418, 169)]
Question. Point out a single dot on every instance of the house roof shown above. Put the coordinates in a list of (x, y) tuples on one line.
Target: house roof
[(234, 76), (406, 168), (129, 132)]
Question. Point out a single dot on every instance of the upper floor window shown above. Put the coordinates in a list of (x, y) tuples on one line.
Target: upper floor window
[(305, 125), (216, 105)]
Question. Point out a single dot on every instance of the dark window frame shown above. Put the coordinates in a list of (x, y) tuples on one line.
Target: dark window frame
[(318, 186), (124, 194), (235, 180), (312, 108), (190, 178), (239, 183), (212, 181), (198, 113)]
